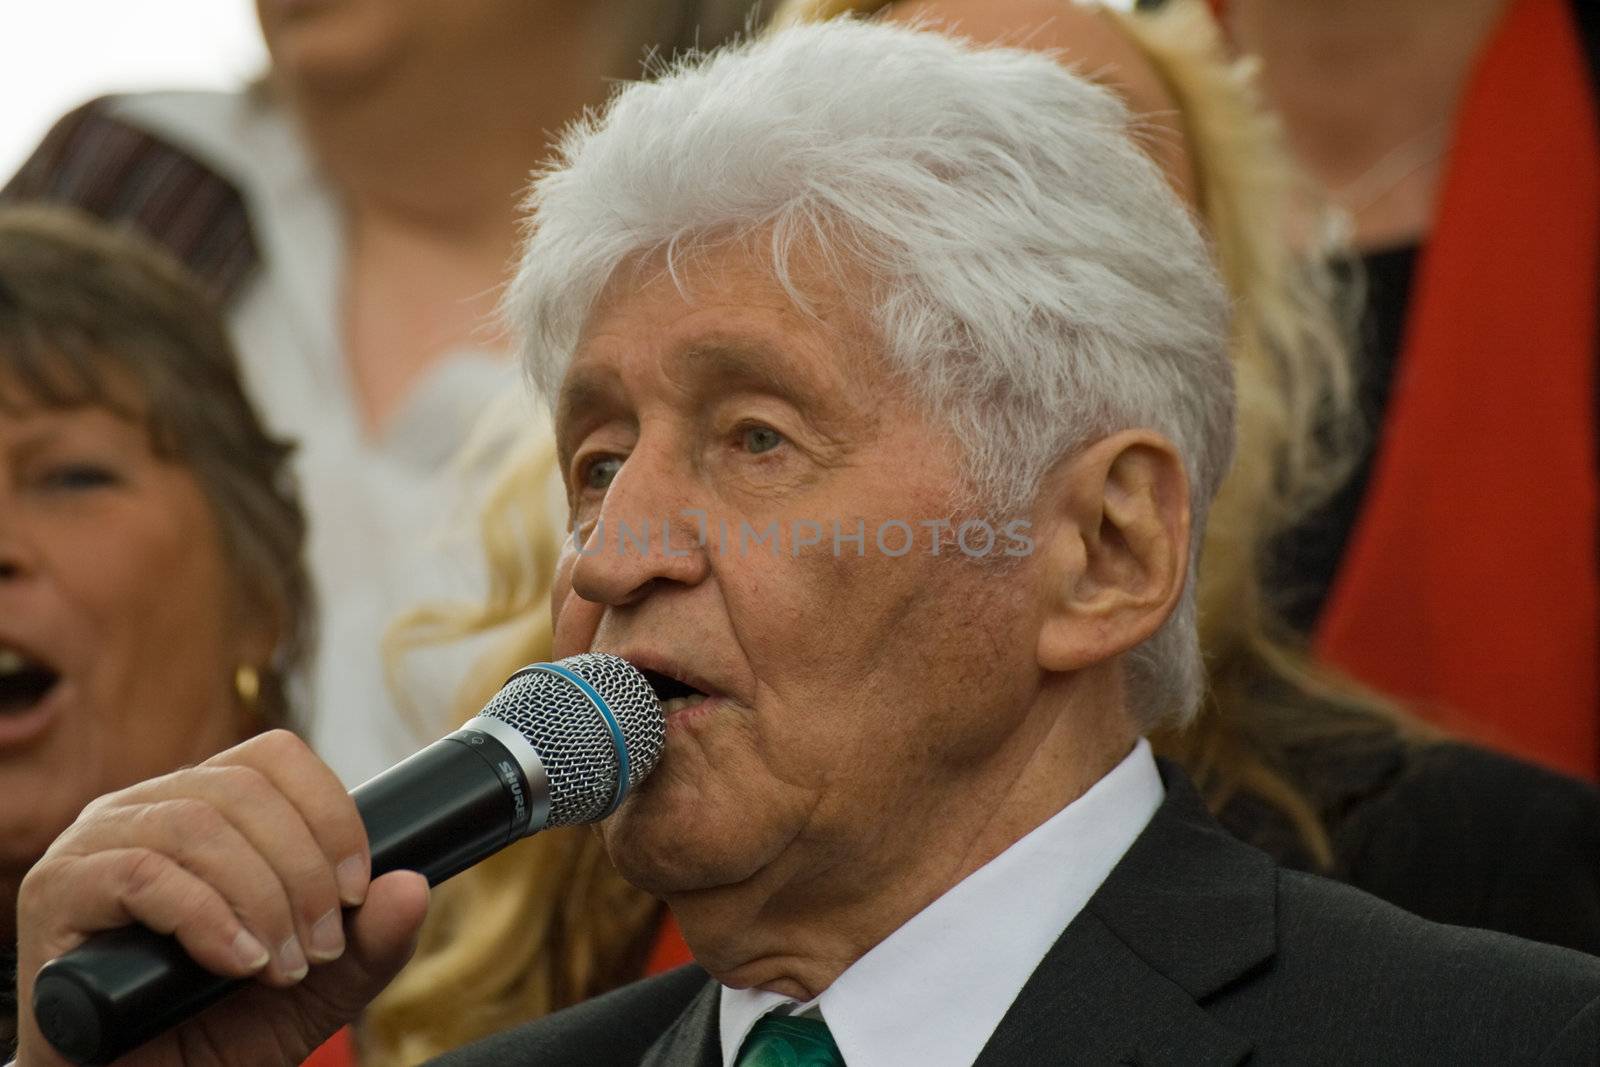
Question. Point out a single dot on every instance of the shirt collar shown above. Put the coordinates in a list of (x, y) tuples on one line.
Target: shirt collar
[(932, 992)]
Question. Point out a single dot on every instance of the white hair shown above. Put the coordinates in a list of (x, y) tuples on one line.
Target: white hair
[(1039, 285)]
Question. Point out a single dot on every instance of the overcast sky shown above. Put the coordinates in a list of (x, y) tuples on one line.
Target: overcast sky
[(55, 54)]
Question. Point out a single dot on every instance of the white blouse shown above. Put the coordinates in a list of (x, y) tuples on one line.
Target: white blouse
[(392, 519)]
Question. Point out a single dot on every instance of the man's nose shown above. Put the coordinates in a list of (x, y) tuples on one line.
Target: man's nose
[(649, 534)]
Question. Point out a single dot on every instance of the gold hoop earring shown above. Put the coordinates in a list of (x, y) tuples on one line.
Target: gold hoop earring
[(247, 683)]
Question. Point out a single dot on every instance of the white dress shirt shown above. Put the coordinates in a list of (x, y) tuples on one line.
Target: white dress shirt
[(932, 992)]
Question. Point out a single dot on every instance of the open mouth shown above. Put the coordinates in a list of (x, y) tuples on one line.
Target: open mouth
[(24, 681), (674, 693)]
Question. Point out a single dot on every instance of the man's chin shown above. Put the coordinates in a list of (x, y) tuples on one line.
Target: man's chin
[(674, 872), (676, 862)]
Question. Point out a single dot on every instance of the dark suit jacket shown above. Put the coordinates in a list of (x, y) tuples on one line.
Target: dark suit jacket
[(1196, 951)]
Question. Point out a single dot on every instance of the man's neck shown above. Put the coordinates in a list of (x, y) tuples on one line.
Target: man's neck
[(795, 935)]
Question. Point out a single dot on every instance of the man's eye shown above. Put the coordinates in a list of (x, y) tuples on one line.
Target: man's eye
[(758, 439), (601, 471), (78, 476)]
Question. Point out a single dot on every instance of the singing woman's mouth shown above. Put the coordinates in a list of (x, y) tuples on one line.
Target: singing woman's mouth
[(24, 680), (27, 684)]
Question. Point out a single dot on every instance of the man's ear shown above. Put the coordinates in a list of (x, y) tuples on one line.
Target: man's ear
[(1116, 544)]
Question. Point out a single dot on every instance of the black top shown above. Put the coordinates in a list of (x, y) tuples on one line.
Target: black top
[(1197, 950), (1450, 832), (1303, 561)]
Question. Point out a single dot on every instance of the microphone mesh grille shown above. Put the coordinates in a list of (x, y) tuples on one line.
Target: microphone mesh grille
[(573, 742)]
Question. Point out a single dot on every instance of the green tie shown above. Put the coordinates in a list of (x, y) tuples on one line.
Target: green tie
[(789, 1041)]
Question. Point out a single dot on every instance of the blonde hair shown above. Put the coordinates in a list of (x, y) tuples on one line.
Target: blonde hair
[(1298, 431), (549, 922)]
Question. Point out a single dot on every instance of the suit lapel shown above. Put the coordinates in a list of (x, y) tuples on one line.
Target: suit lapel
[(1093, 1002), (692, 1040), (1187, 912)]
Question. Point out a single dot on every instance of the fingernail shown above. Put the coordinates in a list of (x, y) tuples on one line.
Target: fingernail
[(291, 960), (351, 876), (327, 937), (250, 953)]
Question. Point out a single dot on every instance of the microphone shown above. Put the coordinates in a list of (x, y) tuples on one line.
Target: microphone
[(560, 744)]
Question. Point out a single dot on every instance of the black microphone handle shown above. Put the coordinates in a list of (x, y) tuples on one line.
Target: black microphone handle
[(458, 801)]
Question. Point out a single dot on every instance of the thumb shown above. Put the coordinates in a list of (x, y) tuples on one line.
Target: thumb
[(380, 937)]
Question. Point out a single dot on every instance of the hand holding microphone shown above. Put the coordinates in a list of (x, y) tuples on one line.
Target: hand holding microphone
[(247, 861)]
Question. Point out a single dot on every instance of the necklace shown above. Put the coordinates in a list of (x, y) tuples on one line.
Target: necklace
[(1392, 168), (1382, 178)]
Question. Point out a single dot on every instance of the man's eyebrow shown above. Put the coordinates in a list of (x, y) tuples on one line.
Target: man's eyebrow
[(581, 393), (754, 365), (724, 363)]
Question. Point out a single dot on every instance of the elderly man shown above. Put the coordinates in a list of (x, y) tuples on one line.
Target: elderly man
[(890, 391)]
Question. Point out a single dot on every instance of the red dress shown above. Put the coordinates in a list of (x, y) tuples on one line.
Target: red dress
[(1470, 587)]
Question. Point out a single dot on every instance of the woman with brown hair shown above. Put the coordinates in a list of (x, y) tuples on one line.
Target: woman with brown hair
[(154, 600), (355, 212)]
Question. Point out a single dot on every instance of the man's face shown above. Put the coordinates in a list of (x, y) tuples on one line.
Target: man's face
[(851, 695)]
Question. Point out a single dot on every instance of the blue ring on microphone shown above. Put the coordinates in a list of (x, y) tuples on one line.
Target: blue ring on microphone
[(607, 717)]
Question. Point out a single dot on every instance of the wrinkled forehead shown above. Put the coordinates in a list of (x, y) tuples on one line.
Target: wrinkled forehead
[(727, 313)]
